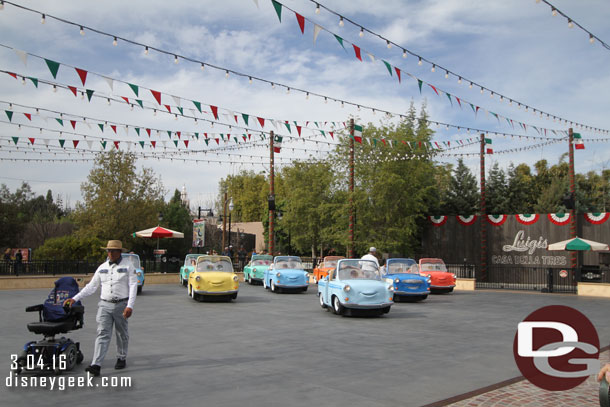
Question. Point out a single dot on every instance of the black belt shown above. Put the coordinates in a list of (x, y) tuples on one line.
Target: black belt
[(115, 300)]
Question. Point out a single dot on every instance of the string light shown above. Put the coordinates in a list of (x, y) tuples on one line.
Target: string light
[(404, 53), (43, 19), (55, 88), (272, 85), (470, 86), (202, 66), (250, 80), (389, 44), (146, 50), (115, 41), (419, 62), (341, 23), (317, 8), (553, 12), (175, 59), (570, 23), (1, 5), (82, 30), (446, 74), (287, 91), (433, 69), (226, 74), (591, 38), (361, 32)]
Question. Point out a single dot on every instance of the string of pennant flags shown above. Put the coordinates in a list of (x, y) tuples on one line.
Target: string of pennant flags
[(359, 52), (203, 64)]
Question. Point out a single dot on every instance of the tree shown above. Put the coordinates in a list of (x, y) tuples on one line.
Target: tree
[(176, 216), (117, 200), (520, 189), (463, 195), (496, 191), (72, 247)]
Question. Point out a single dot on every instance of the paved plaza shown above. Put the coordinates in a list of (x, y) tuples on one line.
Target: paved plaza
[(268, 349)]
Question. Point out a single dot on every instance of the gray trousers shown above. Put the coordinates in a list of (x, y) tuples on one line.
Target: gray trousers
[(107, 315)]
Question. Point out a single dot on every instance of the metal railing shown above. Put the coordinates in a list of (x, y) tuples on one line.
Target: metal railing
[(66, 267), (543, 279)]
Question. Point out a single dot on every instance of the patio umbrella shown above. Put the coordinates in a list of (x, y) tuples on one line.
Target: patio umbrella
[(578, 243), (158, 231)]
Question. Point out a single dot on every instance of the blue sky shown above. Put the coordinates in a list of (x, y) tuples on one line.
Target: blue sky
[(514, 48)]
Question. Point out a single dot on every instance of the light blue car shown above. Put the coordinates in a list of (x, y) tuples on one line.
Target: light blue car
[(355, 285), (190, 262), (409, 285), (134, 260), (286, 273), (255, 270)]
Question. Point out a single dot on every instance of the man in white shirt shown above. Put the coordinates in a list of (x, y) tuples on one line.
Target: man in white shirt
[(370, 256), (119, 283)]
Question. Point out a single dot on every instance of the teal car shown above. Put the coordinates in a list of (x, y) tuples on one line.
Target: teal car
[(189, 265), (134, 260), (255, 270)]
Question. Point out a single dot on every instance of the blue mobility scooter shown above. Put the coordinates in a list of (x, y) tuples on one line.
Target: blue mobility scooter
[(53, 354)]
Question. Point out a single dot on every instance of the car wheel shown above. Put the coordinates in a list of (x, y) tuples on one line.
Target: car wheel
[(386, 310), (250, 279), (305, 289), (397, 298), (337, 307), (140, 289), (234, 296), (322, 302), (265, 283), (273, 287), (423, 297)]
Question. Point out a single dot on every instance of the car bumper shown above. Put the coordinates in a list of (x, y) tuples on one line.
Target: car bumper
[(292, 285), (368, 306), (414, 293), (202, 292), (442, 286)]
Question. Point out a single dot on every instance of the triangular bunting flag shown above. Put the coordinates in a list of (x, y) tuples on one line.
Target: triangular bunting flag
[(357, 52), (116, 144), (261, 121), (73, 89), (197, 105), (134, 88), (75, 142), (9, 114), (28, 115), (340, 41), (53, 67), (245, 117), (156, 95), (16, 139), (153, 143), (89, 94), (103, 143), (101, 127), (82, 74), (168, 107), (34, 81), (278, 9), (62, 142), (73, 123), (60, 121), (301, 21), (397, 73), (141, 144), (113, 127), (186, 143), (388, 66), (316, 32), (32, 139), (214, 111)]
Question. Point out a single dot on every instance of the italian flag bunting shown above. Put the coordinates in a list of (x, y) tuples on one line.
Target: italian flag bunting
[(358, 133), (277, 143), (578, 144), (489, 149)]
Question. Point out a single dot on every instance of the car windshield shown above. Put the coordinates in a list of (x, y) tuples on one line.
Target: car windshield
[(261, 262), (283, 263), (191, 259), (358, 270), (433, 266), (214, 265), (132, 259), (330, 263), (402, 266)]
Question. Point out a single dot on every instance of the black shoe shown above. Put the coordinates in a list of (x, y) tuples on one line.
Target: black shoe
[(120, 364), (94, 370)]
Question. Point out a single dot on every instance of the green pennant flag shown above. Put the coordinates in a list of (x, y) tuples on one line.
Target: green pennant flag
[(222, 136), (278, 9), (322, 131), (140, 103), (53, 67), (340, 41), (61, 142), (387, 65), (419, 83), (316, 123), (10, 115), (181, 110), (60, 121), (487, 140), (374, 142), (207, 141), (175, 142), (137, 130), (15, 139), (142, 144), (235, 138), (89, 94), (103, 143), (135, 88), (169, 134), (288, 127), (576, 135), (449, 96), (197, 136), (101, 127), (197, 105), (34, 81), (245, 117)]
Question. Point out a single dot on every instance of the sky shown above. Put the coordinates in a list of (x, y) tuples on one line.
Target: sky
[(516, 49)]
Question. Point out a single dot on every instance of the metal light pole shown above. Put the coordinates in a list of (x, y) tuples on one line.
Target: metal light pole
[(230, 210)]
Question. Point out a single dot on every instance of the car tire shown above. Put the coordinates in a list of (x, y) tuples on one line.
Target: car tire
[(234, 296), (397, 298), (305, 289), (386, 310), (250, 279), (273, 287), (324, 306), (80, 357), (423, 297), (265, 283), (337, 307), (140, 289)]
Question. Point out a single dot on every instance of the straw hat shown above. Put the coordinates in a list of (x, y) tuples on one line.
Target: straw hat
[(114, 245)]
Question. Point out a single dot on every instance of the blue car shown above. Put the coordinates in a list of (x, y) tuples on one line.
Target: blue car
[(355, 285), (286, 273), (408, 284), (134, 259)]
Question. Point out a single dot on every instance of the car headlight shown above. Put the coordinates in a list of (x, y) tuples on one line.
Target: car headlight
[(429, 275), (391, 288), (279, 274), (397, 281), (198, 278), (347, 288), (235, 278), (454, 276), (429, 281), (389, 281)]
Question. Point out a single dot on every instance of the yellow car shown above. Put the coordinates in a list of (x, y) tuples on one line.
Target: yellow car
[(213, 277)]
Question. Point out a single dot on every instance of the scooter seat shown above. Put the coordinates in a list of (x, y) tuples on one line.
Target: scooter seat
[(52, 328)]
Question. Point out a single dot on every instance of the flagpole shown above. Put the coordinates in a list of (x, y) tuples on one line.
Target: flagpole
[(271, 238), (350, 250), (573, 221), (483, 216)]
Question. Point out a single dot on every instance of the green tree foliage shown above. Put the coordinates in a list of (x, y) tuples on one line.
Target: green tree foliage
[(520, 189), (496, 191), (249, 192), (176, 216), (72, 247), (463, 193), (117, 200)]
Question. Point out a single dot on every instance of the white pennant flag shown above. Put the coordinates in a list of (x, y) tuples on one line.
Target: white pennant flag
[(316, 31), (256, 2), (126, 130), (90, 144), (46, 141), (177, 100), (164, 142), (22, 55), (371, 56), (110, 83)]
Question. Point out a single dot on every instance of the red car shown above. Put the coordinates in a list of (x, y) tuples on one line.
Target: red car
[(442, 280)]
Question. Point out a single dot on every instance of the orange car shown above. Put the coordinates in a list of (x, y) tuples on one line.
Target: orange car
[(329, 263), (442, 280)]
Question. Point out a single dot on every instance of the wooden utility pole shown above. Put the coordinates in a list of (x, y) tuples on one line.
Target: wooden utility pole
[(271, 201), (483, 216), (573, 214), (350, 250)]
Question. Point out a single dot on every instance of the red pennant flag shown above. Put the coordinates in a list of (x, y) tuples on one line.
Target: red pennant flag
[(75, 142), (186, 143), (113, 127), (299, 130), (29, 116), (235, 118), (261, 121), (125, 99), (73, 89), (156, 95), (419, 144), (383, 141), (14, 75), (301, 21), (206, 135), (73, 123), (216, 141), (169, 109), (178, 134), (244, 137), (331, 135), (148, 131), (32, 139), (397, 73), (458, 100), (154, 143), (214, 111), (490, 151), (116, 144), (249, 135), (82, 74), (433, 88), (357, 52)]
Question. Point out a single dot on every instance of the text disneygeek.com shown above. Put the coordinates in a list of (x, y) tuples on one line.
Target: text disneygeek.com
[(63, 382)]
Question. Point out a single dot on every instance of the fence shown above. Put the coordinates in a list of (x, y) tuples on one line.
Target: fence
[(543, 279), (65, 267)]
